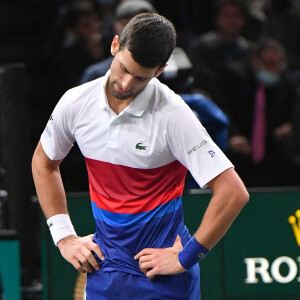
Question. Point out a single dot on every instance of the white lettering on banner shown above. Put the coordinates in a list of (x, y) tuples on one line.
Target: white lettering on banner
[(292, 266), (257, 265), (260, 265)]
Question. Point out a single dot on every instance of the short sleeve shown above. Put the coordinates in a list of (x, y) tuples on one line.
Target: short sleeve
[(57, 138), (190, 143)]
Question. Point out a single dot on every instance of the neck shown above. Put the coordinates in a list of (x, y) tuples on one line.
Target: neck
[(227, 37), (115, 104)]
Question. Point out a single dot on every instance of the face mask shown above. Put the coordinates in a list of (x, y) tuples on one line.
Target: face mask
[(267, 78)]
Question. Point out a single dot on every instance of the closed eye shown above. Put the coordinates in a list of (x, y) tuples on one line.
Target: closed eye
[(124, 69), (139, 78)]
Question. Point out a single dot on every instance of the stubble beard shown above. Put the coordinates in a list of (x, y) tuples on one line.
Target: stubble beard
[(117, 95)]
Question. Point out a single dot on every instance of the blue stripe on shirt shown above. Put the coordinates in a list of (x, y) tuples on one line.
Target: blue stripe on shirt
[(115, 219)]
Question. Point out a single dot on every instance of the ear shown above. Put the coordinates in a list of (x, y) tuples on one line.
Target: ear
[(115, 45), (159, 71)]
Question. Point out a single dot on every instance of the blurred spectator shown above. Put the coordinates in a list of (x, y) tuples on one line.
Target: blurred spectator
[(284, 25), (282, 19), (190, 17), (82, 44), (262, 103), (212, 53), (255, 25)]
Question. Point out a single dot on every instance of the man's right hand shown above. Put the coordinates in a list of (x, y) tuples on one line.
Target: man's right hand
[(79, 252)]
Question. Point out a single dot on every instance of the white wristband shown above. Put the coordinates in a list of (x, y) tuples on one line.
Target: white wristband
[(60, 227)]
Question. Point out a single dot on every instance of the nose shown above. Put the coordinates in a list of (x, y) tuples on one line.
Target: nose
[(127, 82)]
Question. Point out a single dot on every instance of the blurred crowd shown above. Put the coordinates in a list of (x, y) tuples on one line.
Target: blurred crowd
[(244, 56)]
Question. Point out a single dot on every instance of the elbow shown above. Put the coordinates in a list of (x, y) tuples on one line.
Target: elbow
[(240, 198), (244, 198)]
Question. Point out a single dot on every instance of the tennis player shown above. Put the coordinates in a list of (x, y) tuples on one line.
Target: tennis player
[(138, 139)]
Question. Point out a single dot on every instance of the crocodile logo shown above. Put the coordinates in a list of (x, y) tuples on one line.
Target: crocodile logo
[(139, 146)]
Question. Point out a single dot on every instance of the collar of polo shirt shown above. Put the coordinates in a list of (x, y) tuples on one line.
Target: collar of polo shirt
[(137, 106)]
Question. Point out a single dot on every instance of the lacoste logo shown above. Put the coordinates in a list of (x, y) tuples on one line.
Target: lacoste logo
[(50, 225), (139, 146), (296, 225)]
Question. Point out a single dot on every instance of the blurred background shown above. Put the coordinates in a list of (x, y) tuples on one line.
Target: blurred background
[(229, 54)]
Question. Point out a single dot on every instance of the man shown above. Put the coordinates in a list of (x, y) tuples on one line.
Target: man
[(214, 52), (83, 44), (263, 101), (138, 139)]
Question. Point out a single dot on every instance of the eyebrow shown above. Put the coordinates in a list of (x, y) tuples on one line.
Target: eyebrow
[(138, 77)]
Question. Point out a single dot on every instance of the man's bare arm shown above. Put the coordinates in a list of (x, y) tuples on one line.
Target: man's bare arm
[(51, 194), (48, 183), (229, 197)]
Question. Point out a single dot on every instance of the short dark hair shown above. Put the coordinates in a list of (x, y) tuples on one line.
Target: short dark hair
[(238, 3), (268, 43), (130, 8), (150, 38), (76, 11)]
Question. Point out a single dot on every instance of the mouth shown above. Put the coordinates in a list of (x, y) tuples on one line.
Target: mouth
[(119, 93), (118, 89)]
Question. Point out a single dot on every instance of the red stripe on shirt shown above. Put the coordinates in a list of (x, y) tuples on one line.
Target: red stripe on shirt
[(125, 189)]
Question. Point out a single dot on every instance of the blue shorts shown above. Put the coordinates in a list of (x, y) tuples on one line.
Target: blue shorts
[(106, 285)]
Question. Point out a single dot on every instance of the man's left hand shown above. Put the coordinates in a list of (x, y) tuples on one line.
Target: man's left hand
[(159, 261)]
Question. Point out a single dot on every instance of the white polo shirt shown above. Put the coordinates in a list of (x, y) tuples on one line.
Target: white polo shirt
[(136, 162), (158, 121)]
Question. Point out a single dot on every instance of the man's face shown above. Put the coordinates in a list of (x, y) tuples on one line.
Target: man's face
[(230, 20), (267, 66), (87, 26), (128, 78), (271, 60)]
